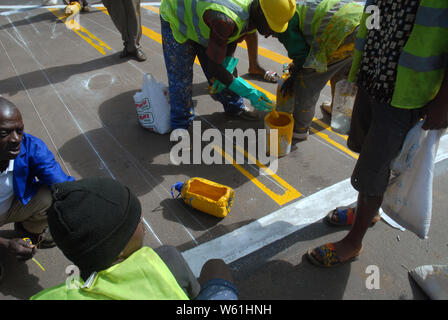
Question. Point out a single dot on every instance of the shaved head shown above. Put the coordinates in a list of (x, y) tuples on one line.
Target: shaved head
[(8, 109), (11, 131)]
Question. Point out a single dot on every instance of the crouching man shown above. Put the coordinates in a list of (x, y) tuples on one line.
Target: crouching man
[(27, 170)]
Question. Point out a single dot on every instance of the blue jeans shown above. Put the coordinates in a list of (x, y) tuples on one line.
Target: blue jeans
[(218, 289), (179, 60)]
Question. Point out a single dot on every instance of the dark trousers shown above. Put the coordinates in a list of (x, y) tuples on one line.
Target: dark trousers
[(125, 15)]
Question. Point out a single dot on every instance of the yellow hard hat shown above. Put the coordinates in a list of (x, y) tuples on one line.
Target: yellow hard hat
[(278, 13)]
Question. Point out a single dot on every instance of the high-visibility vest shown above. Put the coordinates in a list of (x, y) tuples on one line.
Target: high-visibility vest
[(142, 276), (186, 17), (325, 24), (424, 60)]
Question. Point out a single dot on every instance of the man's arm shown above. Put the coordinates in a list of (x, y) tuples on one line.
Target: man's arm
[(44, 166), (221, 29), (437, 109), (180, 270)]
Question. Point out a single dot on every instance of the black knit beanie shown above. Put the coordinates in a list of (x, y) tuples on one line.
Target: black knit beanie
[(92, 220)]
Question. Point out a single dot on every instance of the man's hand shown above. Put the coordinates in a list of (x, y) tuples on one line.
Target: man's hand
[(436, 116), (261, 102), (258, 99), (436, 111), (288, 86), (21, 249)]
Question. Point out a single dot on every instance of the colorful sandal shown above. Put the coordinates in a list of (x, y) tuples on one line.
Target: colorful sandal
[(346, 216), (328, 256)]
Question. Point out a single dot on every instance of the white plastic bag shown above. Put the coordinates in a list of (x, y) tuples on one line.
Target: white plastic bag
[(408, 197), (153, 108), (433, 279)]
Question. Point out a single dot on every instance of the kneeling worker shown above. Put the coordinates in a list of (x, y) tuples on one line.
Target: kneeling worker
[(27, 170)]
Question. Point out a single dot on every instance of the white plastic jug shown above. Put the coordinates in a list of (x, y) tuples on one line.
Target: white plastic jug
[(344, 99)]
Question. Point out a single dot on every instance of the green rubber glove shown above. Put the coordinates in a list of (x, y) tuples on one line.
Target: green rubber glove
[(258, 99), (230, 64)]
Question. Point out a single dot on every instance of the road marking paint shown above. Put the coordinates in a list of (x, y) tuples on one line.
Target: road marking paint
[(158, 38), (281, 223), (290, 193), (42, 69), (85, 34), (34, 105), (334, 143), (327, 127)]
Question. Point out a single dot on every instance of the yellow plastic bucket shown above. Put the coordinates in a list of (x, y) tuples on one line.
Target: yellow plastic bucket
[(206, 196), (284, 123)]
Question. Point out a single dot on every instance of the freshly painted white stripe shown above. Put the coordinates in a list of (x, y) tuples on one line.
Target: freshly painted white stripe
[(281, 223)]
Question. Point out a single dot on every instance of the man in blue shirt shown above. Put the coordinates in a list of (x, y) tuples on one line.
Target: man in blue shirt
[(27, 170)]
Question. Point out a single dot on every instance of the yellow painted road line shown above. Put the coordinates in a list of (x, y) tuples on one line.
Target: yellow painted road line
[(318, 133), (262, 51), (85, 34), (327, 127), (334, 143), (290, 193)]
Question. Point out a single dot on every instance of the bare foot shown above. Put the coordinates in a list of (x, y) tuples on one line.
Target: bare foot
[(256, 70)]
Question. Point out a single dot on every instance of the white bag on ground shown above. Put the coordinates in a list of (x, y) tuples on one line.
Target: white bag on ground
[(153, 108), (408, 197), (433, 279)]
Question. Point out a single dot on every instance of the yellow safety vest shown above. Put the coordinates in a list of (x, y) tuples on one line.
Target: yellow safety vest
[(325, 24), (186, 17), (424, 59), (142, 276)]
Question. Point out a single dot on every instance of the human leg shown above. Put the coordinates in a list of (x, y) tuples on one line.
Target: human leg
[(85, 6), (116, 10), (125, 15), (179, 59), (133, 24), (233, 104), (216, 282), (30, 220), (377, 132), (308, 86), (254, 66)]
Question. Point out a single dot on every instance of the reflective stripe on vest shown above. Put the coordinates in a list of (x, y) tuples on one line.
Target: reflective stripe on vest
[(423, 64), (195, 22), (423, 60), (432, 17)]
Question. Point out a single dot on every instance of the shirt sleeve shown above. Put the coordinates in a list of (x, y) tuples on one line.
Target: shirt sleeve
[(44, 165), (221, 29), (294, 43), (180, 270)]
